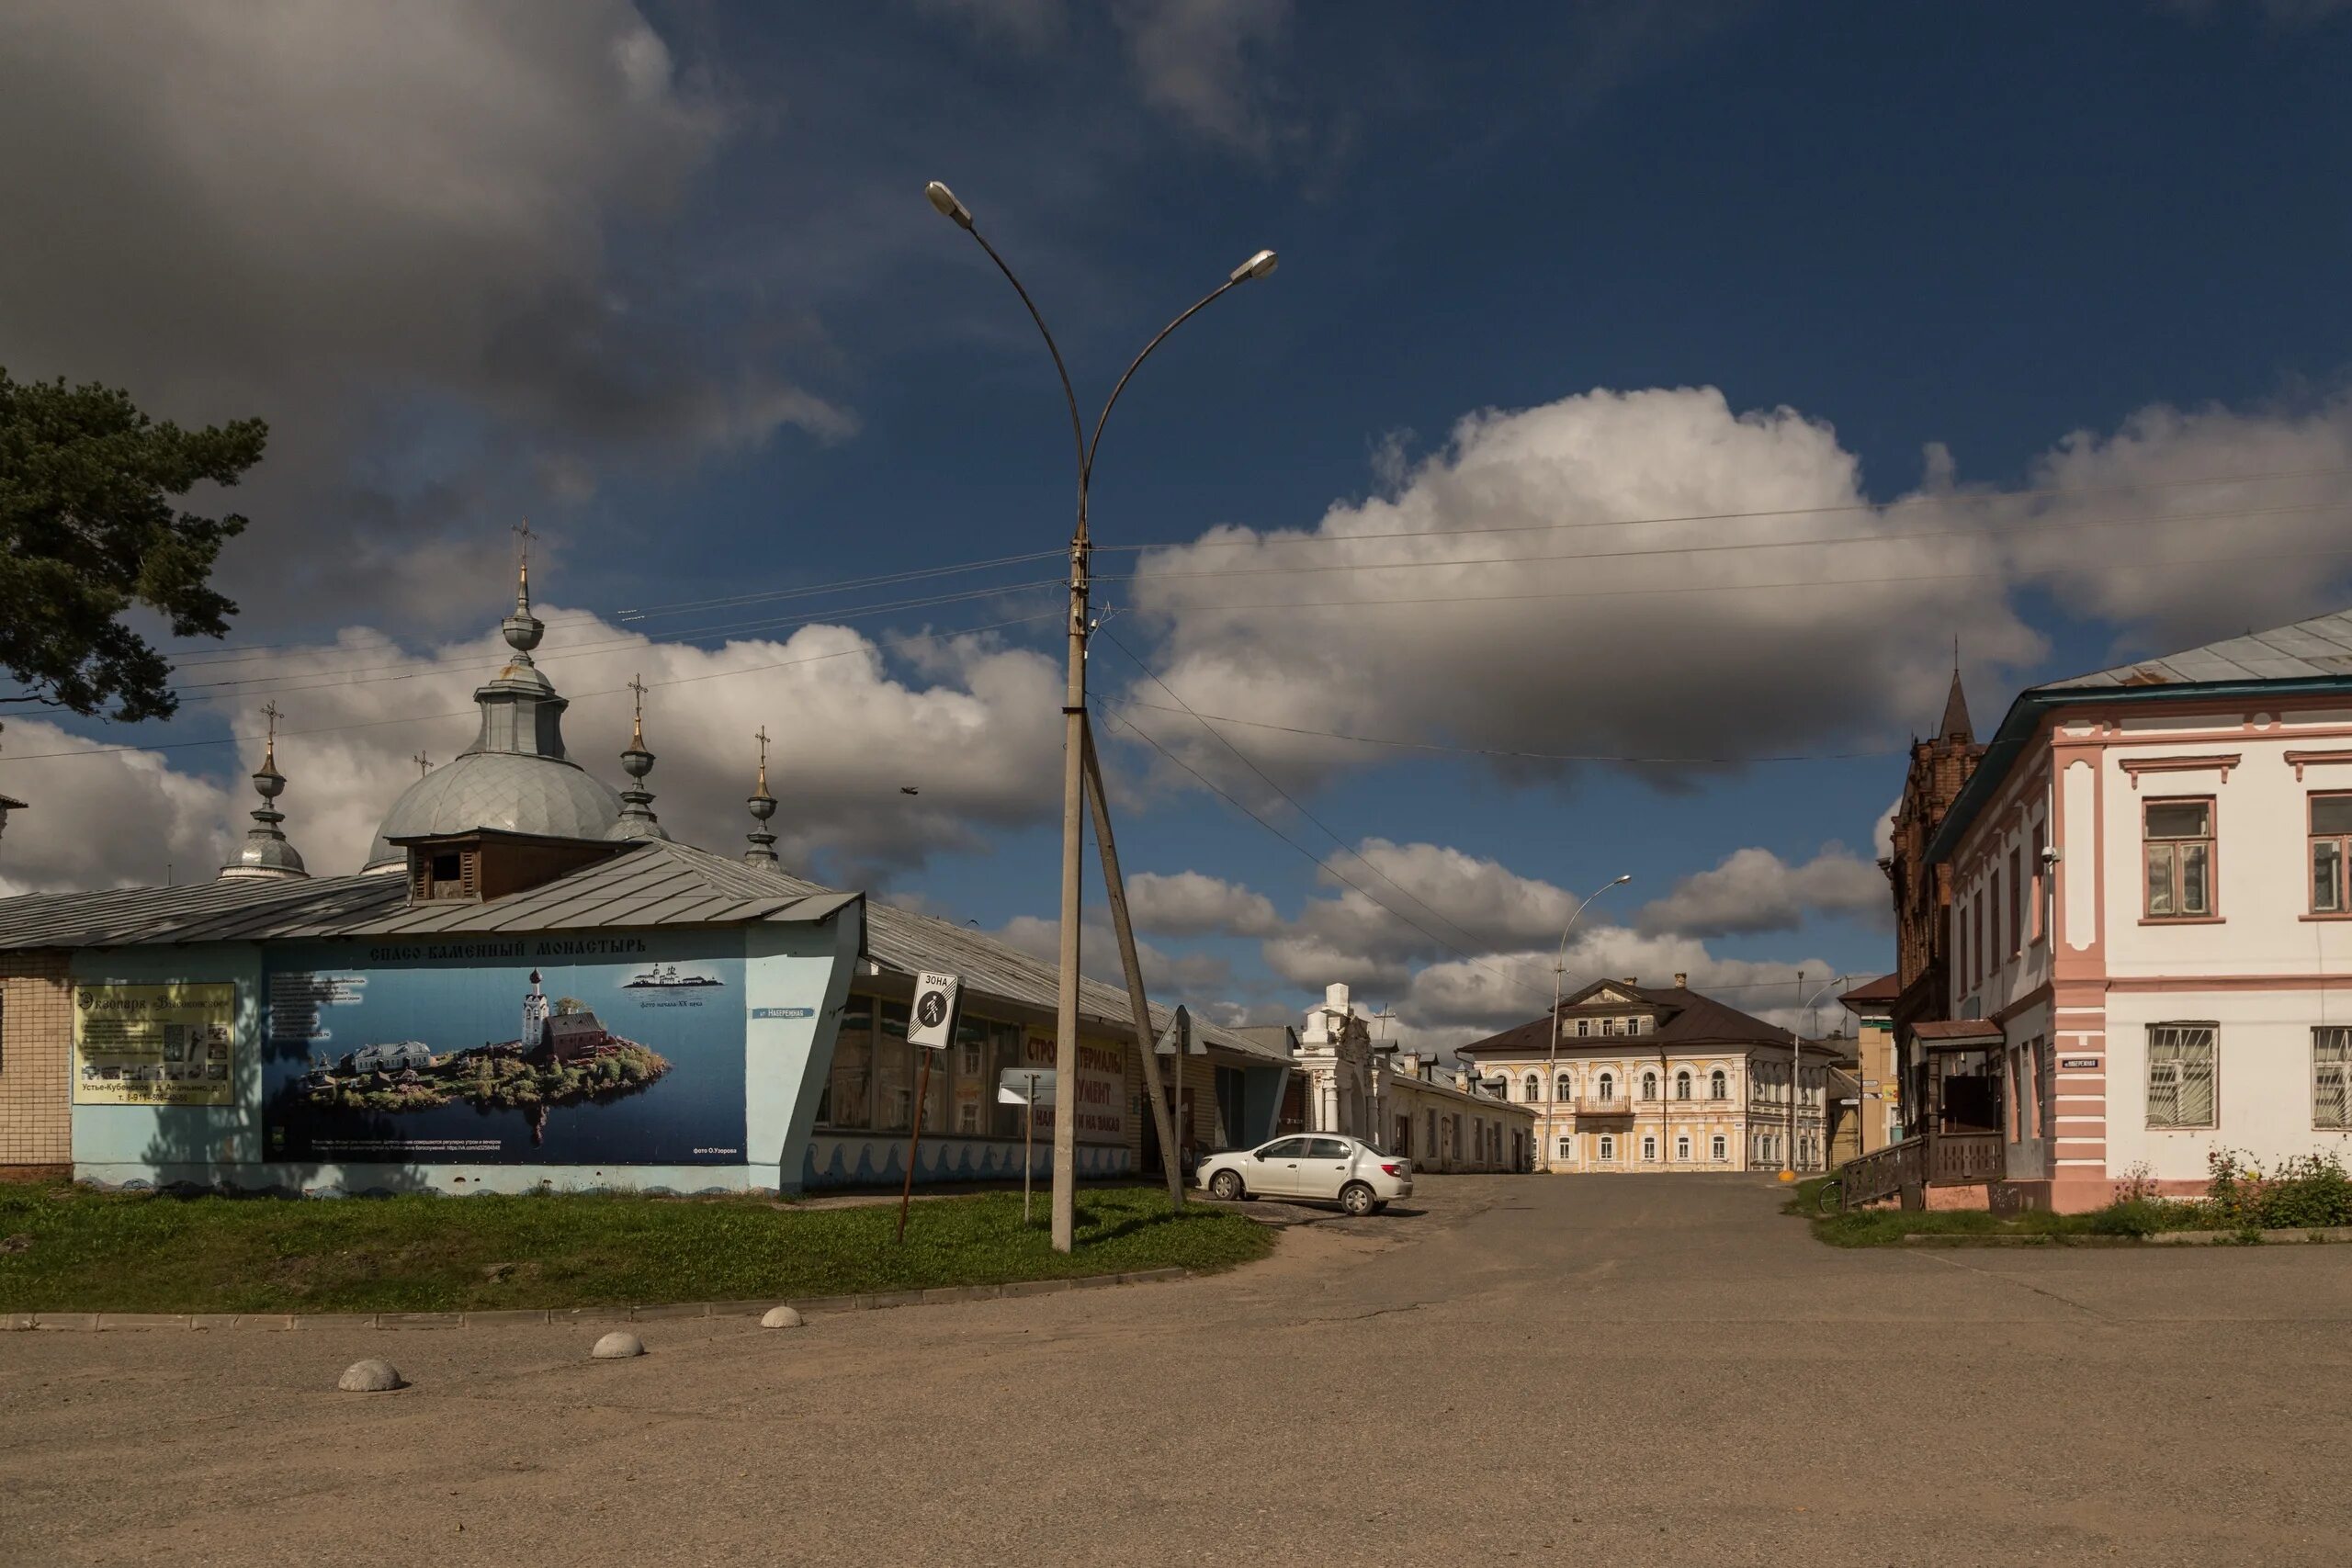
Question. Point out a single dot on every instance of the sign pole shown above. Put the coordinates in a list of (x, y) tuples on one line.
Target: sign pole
[(1028, 1146), (914, 1136)]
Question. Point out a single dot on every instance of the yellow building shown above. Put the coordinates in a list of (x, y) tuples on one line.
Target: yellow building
[(1640, 1079), (1880, 1114)]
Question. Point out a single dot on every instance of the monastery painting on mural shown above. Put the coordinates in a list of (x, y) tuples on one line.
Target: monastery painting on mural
[(578, 1051)]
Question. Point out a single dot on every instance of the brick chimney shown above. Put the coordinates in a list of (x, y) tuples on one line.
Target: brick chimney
[(1681, 981)]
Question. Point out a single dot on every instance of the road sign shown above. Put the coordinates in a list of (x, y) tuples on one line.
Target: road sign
[(932, 1023), (1026, 1086), (1178, 1037)]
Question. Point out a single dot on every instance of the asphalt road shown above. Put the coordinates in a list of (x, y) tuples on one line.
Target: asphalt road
[(1580, 1369)]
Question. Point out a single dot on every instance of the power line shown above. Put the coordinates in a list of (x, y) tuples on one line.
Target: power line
[(408, 669), (107, 751), (1289, 799), (2036, 529), (1319, 861), (1900, 502), (1217, 718), (1804, 582)]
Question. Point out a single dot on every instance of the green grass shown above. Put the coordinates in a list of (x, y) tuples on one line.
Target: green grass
[(1885, 1227), (89, 1251)]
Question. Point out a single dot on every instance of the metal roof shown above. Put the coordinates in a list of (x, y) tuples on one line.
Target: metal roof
[(2313, 655), (911, 943), (654, 884), (2306, 651)]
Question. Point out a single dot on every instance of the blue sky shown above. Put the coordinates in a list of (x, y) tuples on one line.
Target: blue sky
[(663, 280)]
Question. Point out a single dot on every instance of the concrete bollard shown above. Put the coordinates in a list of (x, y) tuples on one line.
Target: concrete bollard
[(370, 1377), (617, 1346), (781, 1317)]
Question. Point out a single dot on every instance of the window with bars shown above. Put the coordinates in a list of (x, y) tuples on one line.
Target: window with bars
[(2331, 1078), (2181, 1070), (2330, 832), (2179, 840)]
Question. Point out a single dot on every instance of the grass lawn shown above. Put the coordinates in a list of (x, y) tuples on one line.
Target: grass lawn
[(1882, 1227), (88, 1251)]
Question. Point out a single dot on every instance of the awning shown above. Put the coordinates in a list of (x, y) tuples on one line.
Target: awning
[(1959, 1034)]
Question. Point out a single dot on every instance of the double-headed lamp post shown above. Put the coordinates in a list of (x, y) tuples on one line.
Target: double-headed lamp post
[(1074, 737), (1559, 972), (1796, 1077)]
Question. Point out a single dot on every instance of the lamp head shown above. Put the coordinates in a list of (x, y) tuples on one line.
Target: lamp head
[(949, 208), (1258, 266), (1627, 877)]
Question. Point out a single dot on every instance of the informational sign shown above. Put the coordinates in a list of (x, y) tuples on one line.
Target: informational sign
[(2078, 1062), (1098, 1097), (1026, 1086), (784, 1013), (154, 1044), (1177, 1038), (589, 1049), (932, 1023)]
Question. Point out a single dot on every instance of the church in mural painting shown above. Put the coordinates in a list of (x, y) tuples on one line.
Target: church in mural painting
[(689, 1020)]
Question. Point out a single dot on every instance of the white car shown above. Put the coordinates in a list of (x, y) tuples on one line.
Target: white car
[(1317, 1166)]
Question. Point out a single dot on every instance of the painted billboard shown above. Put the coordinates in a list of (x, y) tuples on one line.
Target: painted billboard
[(543, 1049), (154, 1044)]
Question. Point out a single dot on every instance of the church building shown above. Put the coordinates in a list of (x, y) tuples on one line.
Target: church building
[(532, 983)]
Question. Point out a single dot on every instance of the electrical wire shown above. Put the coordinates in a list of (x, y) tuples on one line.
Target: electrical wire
[(107, 751), (1900, 501), (1320, 862), (2036, 529), (1288, 798), (1215, 718)]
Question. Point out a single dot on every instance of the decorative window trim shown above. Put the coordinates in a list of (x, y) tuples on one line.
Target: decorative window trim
[(2298, 760), (2212, 914), (2224, 760)]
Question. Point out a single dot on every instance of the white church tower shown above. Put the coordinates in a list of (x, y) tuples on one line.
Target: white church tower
[(535, 1015)]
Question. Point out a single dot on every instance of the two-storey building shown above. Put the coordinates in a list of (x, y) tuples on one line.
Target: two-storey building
[(1632, 1077), (2150, 921)]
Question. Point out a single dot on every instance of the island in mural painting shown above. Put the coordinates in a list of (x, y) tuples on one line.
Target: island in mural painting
[(564, 1055), (666, 977)]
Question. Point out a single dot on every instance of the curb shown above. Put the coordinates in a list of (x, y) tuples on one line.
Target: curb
[(2319, 1236), (111, 1321)]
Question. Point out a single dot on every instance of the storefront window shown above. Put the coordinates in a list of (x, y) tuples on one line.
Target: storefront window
[(849, 1092), (894, 1072)]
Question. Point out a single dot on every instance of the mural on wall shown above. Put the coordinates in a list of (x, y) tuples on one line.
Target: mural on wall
[(169, 1044), (603, 1050)]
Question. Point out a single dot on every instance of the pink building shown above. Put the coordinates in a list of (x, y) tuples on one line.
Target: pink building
[(2151, 927)]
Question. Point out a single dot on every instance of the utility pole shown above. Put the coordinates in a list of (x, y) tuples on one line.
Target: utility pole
[(1796, 1061), (1075, 743), (1138, 1008)]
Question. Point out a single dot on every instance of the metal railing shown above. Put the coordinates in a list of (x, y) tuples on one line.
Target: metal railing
[(1932, 1159)]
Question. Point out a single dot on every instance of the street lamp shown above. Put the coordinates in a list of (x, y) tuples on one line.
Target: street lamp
[(1796, 1071), (1559, 969), (1077, 751)]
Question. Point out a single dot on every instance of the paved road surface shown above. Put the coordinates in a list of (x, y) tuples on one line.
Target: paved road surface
[(1577, 1370)]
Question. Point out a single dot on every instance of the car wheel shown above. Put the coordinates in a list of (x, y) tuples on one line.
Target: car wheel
[(1357, 1199), (1226, 1184)]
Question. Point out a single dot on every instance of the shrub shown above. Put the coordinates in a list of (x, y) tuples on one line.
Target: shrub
[(2304, 1193)]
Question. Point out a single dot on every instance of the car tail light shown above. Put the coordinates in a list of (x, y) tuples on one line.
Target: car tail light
[(1393, 1169)]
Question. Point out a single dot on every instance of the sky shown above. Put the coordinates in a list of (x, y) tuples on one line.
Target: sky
[(1648, 402)]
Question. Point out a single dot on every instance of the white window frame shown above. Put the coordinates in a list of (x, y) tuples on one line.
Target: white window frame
[(2172, 1076), (2331, 1078), (1719, 1149)]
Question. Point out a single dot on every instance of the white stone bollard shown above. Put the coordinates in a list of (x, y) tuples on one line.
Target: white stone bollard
[(781, 1317), (617, 1346), (370, 1377)]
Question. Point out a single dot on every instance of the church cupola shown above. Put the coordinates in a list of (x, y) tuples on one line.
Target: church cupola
[(266, 854), (637, 820), (761, 805)]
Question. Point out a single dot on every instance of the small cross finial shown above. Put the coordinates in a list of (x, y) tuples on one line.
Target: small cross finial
[(423, 767), (523, 538), (637, 729), (270, 748), (762, 736)]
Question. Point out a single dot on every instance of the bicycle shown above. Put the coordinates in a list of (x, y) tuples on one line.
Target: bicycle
[(1830, 1197)]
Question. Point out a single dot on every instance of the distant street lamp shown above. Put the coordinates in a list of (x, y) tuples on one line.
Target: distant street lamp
[(1796, 1073), (1559, 969), (1075, 748)]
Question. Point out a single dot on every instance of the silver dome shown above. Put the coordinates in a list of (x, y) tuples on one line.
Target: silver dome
[(515, 777), (514, 791)]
